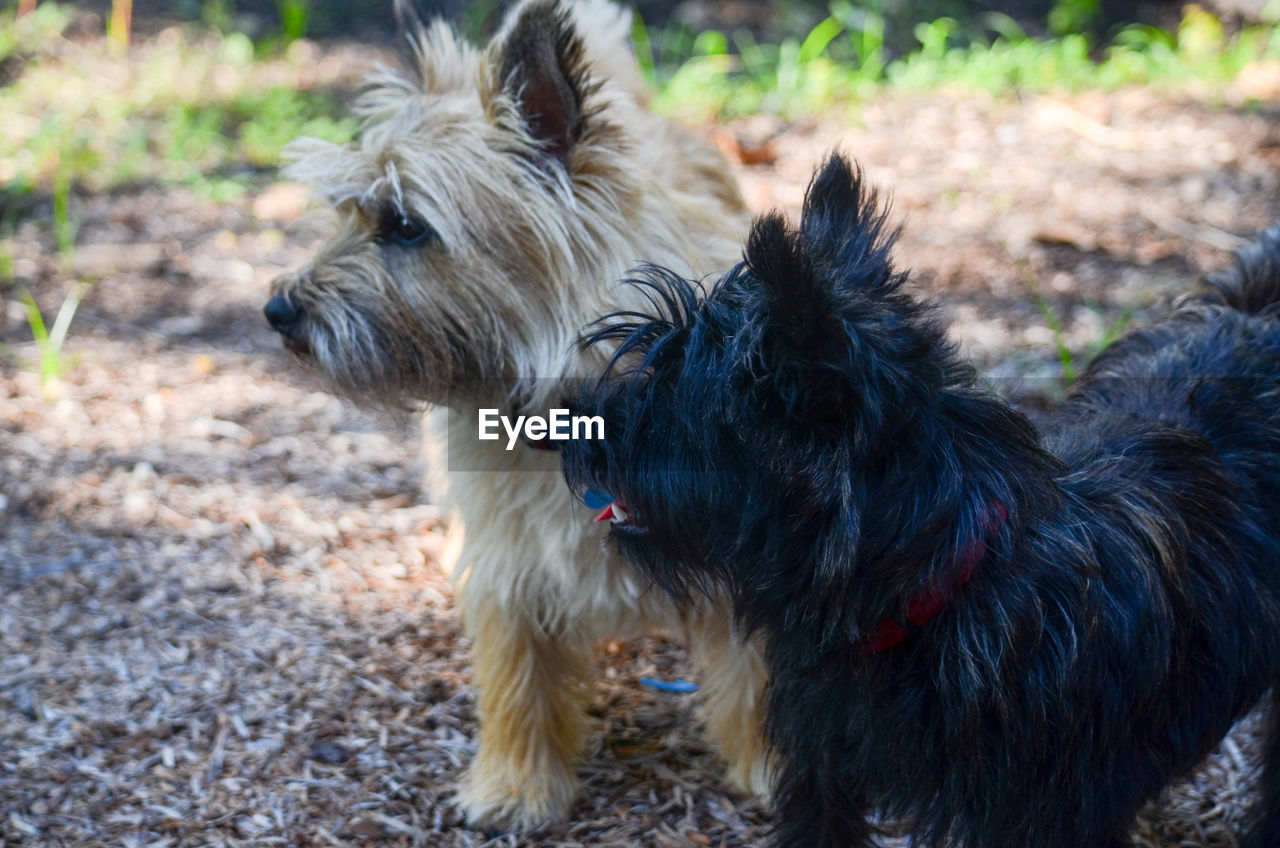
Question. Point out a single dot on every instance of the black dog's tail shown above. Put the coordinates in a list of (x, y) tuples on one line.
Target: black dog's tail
[(1252, 285)]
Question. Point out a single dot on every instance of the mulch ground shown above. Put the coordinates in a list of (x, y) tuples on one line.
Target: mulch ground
[(221, 619)]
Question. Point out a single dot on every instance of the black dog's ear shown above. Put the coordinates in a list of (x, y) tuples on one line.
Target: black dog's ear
[(844, 228), (799, 301), (803, 340), (841, 251), (831, 302), (541, 67), (845, 349)]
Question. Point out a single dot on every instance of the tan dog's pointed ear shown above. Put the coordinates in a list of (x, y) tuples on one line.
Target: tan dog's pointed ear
[(541, 68)]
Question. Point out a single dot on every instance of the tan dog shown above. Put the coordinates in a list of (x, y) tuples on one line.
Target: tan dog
[(488, 210)]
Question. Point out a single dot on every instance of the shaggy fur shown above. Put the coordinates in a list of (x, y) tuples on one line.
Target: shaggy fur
[(998, 635), (490, 205)]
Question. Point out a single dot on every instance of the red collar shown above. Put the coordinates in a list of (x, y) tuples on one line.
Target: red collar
[(543, 444), (927, 605)]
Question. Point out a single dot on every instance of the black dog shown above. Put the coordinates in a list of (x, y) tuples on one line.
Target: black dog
[(1003, 637)]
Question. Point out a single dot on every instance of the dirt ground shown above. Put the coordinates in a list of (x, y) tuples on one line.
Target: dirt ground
[(221, 619)]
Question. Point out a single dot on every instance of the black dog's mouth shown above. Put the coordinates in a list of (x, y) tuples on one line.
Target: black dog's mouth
[(622, 519)]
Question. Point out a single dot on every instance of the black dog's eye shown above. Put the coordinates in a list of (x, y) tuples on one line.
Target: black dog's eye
[(404, 230)]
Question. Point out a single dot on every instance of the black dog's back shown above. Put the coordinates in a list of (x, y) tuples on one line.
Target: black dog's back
[(1253, 285), (1250, 287), (1211, 368)]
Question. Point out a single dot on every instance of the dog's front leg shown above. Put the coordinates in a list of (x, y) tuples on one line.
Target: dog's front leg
[(733, 676), (811, 814), (533, 692)]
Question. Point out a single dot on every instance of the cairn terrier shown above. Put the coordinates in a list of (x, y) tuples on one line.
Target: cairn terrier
[(998, 634), (487, 211)]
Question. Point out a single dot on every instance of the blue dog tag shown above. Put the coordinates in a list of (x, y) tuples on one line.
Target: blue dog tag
[(596, 500)]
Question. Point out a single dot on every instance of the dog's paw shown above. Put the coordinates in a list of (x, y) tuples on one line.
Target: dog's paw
[(495, 798), (749, 775)]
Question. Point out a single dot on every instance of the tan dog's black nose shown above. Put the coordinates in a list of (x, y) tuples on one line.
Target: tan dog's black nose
[(283, 315)]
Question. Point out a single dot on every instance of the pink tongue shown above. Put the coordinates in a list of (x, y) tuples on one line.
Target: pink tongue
[(605, 515)]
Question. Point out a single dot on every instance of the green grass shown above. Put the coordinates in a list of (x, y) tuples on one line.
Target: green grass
[(34, 33), (294, 15), (1068, 359), (842, 61), (200, 112), (211, 111), (51, 364), (64, 227), (1198, 52), (1069, 16), (205, 112), (1113, 331)]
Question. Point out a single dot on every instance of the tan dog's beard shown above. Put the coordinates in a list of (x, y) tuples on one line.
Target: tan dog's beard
[(369, 344)]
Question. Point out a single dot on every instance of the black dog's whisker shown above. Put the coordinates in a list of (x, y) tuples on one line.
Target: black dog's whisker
[(673, 300)]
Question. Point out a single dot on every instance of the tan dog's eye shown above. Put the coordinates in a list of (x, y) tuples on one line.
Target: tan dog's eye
[(404, 230)]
